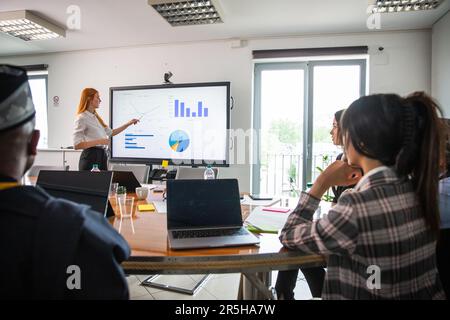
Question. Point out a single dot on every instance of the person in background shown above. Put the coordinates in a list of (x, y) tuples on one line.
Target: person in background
[(443, 244), (51, 248), (336, 137), (314, 276), (380, 237), (91, 133)]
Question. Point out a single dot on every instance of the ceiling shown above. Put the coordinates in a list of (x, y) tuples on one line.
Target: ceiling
[(117, 23)]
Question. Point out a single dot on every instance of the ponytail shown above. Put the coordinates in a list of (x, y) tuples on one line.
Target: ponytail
[(420, 153), (404, 133), (100, 119)]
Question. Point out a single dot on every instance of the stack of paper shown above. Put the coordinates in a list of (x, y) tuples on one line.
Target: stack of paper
[(263, 220), (161, 206), (249, 201)]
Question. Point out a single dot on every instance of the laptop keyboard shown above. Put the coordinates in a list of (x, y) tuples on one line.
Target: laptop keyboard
[(183, 234)]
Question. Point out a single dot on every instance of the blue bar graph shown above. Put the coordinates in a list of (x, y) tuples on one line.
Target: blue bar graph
[(132, 140), (182, 112), (138, 135), (134, 147), (200, 106)]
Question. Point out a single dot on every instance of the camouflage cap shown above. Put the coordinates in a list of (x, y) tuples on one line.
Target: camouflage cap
[(16, 104)]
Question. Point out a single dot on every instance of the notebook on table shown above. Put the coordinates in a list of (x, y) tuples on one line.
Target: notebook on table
[(205, 214)]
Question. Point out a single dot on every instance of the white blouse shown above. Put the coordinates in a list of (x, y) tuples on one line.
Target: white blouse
[(88, 128)]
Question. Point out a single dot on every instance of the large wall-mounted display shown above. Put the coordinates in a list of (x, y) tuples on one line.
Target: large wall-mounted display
[(186, 124)]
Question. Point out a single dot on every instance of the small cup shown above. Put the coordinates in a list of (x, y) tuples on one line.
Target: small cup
[(141, 193), (126, 206)]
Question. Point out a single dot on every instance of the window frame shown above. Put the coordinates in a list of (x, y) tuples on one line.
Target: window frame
[(37, 75)]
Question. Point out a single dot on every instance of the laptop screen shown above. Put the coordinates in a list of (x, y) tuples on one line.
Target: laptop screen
[(203, 204), (85, 187)]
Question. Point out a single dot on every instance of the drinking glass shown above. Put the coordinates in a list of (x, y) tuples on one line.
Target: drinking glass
[(126, 206)]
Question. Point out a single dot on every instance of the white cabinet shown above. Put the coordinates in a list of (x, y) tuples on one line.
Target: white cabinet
[(58, 157)]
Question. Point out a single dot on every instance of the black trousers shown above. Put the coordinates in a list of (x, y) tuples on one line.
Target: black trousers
[(91, 156), (287, 280)]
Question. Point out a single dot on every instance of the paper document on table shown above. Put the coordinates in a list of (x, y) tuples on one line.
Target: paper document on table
[(267, 221), (161, 206), (249, 201)]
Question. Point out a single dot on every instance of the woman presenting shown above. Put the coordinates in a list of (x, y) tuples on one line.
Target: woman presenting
[(91, 133)]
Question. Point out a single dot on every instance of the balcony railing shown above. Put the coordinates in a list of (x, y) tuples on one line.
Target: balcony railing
[(281, 174)]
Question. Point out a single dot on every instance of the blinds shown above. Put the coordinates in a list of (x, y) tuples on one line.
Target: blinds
[(308, 52), (35, 67)]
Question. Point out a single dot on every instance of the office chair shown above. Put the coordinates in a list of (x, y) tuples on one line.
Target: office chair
[(183, 173), (193, 173), (139, 171)]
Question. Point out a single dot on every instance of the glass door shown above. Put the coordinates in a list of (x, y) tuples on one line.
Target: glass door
[(278, 120), (294, 106), (334, 85)]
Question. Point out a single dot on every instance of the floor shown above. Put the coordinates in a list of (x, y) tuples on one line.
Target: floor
[(218, 287)]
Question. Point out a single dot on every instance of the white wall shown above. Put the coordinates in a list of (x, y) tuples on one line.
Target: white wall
[(404, 66), (440, 74)]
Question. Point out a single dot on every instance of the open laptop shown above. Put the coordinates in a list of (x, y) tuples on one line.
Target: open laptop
[(126, 179), (193, 173), (205, 214), (91, 188)]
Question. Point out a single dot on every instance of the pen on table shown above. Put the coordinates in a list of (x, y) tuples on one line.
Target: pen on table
[(281, 210)]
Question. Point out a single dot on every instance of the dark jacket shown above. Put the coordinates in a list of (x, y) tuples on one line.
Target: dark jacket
[(41, 237)]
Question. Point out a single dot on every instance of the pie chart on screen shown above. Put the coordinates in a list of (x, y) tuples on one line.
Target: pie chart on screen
[(179, 141)]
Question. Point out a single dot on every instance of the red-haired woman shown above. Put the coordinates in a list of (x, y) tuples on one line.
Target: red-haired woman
[(91, 133)]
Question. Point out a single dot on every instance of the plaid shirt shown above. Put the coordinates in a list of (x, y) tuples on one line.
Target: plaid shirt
[(378, 223)]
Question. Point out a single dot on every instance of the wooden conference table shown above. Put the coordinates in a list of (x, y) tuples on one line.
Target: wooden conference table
[(146, 233)]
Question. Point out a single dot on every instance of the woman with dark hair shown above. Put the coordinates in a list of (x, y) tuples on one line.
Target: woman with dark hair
[(380, 237), (443, 245), (336, 137), (286, 280)]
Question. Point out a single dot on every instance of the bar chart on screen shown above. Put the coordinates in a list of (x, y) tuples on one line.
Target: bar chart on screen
[(181, 111), (136, 141)]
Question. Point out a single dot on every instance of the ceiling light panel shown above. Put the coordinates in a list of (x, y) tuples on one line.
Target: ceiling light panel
[(27, 26), (188, 12), (383, 6)]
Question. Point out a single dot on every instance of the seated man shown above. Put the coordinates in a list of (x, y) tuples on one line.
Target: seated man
[(51, 248)]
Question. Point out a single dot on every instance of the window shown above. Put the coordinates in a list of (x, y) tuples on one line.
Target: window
[(38, 86), (294, 108)]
